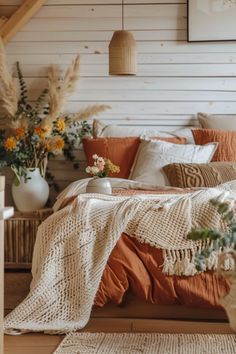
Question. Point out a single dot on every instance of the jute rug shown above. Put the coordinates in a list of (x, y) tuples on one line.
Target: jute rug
[(151, 343)]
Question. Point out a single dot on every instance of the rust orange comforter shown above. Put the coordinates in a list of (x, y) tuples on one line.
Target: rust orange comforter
[(137, 267)]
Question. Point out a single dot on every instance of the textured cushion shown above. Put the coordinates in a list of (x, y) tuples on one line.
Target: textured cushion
[(121, 151), (226, 150), (188, 175), (152, 155), (102, 130), (224, 122)]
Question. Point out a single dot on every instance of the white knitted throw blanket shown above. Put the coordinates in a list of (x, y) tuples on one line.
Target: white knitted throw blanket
[(73, 246)]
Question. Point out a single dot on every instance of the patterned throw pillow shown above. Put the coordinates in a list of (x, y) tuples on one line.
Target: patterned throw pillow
[(188, 175)]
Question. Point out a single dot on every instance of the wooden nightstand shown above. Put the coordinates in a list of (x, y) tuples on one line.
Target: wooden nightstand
[(20, 235)]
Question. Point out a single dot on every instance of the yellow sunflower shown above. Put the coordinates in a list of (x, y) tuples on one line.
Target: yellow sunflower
[(60, 125), (10, 143), (20, 132), (39, 131), (59, 143), (55, 145), (42, 132)]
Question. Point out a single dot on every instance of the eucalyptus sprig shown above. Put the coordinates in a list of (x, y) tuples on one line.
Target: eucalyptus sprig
[(219, 241)]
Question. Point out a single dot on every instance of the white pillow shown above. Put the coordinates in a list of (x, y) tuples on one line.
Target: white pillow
[(222, 122), (185, 132), (115, 131), (152, 155)]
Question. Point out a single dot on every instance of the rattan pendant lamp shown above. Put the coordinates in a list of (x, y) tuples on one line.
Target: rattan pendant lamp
[(122, 52)]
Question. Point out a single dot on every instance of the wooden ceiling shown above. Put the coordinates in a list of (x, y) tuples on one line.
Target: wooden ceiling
[(10, 26)]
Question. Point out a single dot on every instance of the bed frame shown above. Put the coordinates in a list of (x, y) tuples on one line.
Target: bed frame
[(133, 315)]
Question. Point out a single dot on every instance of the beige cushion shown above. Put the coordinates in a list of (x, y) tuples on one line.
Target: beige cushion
[(224, 122), (152, 155), (188, 175), (102, 130)]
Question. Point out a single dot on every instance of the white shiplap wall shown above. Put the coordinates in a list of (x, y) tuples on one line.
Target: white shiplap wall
[(175, 78)]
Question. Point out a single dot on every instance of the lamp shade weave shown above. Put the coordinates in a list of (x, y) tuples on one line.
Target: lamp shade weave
[(122, 54)]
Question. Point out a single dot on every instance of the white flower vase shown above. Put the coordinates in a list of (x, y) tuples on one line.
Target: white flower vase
[(229, 301), (31, 194), (99, 185)]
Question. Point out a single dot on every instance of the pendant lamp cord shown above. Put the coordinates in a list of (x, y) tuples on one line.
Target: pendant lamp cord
[(123, 13)]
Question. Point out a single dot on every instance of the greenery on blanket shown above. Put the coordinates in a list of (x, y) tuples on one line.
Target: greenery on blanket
[(219, 241), (39, 131)]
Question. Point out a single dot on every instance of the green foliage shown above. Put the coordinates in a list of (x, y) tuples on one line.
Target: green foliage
[(219, 241), (23, 86), (41, 105)]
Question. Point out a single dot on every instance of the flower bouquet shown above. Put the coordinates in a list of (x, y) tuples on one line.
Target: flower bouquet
[(101, 168), (36, 132)]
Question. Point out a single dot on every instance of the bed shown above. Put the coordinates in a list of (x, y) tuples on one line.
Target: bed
[(103, 267), (133, 281)]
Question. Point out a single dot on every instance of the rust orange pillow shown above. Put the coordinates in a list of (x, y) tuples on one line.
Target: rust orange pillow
[(121, 151), (226, 150)]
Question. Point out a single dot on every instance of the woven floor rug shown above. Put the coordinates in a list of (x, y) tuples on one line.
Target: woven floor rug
[(142, 343)]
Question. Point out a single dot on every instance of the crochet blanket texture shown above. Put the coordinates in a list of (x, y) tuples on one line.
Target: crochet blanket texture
[(73, 246)]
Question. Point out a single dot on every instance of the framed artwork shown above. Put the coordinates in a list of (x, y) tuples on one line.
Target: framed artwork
[(211, 20)]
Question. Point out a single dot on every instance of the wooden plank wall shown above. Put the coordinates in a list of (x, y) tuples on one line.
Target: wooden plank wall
[(175, 78)]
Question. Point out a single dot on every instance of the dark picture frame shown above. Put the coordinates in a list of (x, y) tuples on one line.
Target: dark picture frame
[(208, 23)]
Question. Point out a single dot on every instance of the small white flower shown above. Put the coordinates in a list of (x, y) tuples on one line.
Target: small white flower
[(88, 169), (101, 160), (95, 156), (94, 170)]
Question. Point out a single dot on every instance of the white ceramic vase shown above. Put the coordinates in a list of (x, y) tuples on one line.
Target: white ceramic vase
[(32, 194), (229, 301), (99, 185)]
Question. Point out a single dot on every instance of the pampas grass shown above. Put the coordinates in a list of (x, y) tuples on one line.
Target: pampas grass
[(53, 94), (88, 112), (55, 97), (58, 90), (8, 89), (72, 76)]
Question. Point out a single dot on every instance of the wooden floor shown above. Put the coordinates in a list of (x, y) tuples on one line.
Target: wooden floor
[(31, 344), (137, 317), (45, 344)]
